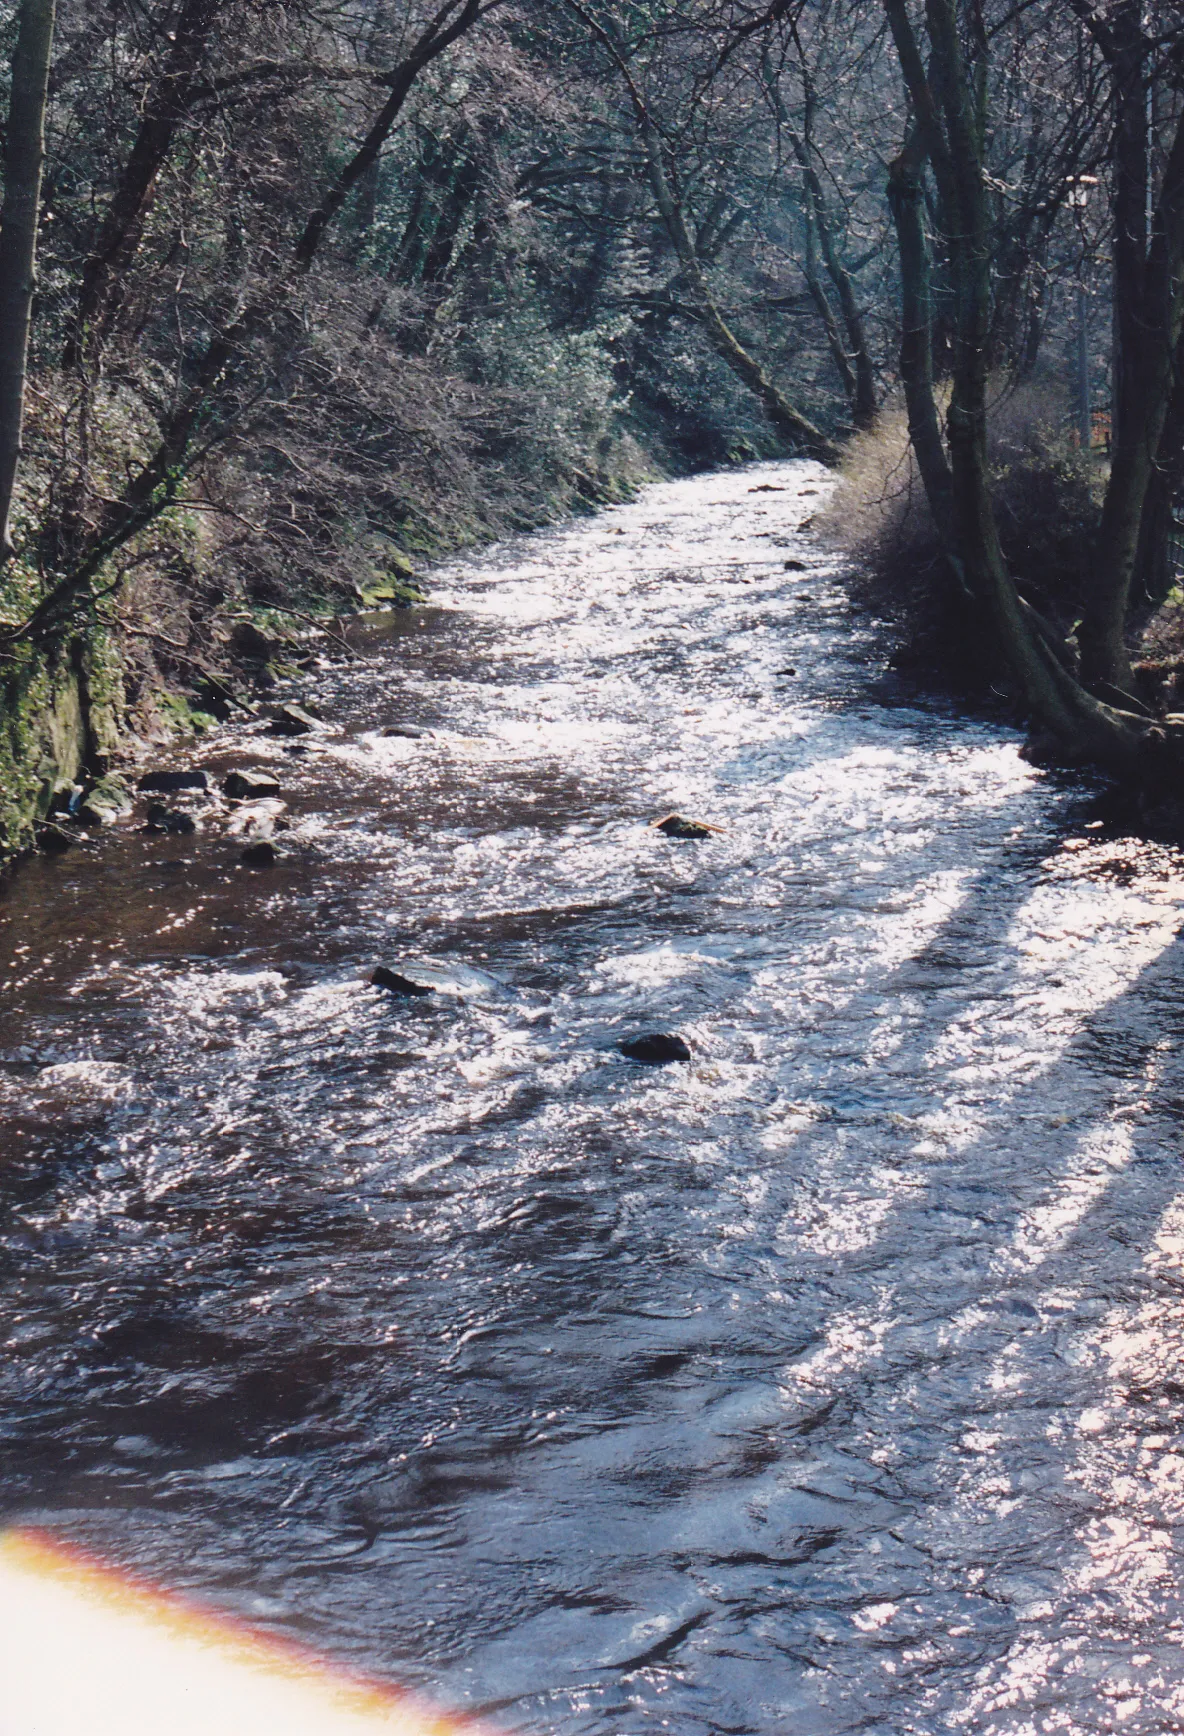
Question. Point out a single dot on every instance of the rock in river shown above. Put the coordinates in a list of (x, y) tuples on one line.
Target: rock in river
[(250, 786), (162, 819), (655, 1049), (165, 783), (397, 983), (679, 826), (109, 800), (260, 855), (428, 977), (291, 720)]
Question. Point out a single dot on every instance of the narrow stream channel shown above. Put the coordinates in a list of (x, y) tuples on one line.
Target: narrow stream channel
[(831, 1382)]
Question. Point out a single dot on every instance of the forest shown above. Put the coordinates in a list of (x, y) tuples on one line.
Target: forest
[(296, 295)]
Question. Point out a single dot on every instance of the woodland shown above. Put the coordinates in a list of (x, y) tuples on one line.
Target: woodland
[(295, 293)]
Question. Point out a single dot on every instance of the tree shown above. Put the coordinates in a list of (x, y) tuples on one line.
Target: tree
[(662, 171), (1148, 292), (24, 157), (948, 84)]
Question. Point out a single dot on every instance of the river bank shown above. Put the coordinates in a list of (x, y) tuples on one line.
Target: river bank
[(826, 1381)]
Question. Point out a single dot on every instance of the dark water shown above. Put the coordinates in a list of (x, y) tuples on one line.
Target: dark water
[(830, 1383)]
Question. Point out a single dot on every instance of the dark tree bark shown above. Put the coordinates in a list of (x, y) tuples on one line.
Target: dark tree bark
[(24, 159), (906, 201), (1154, 573)]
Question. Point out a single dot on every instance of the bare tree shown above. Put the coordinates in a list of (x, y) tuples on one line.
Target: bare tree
[(24, 158)]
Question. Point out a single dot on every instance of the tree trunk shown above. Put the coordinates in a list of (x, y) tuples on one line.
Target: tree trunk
[(793, 427), (24, 159), (862, 390), (154, 486), (1154, 573), (453, 21), (906, 201), (818, 295), (1148, 308)]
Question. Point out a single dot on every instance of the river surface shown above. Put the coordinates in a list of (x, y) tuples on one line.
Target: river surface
[(832, 1382)]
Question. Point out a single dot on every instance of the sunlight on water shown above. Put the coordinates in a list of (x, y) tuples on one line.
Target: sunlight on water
[(829, 1381)]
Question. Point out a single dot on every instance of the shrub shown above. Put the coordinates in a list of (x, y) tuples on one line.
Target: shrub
[(1047, 501)]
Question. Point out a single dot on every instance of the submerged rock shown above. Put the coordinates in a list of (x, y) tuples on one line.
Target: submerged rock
[(260, 855), (291, 720), (679, 826), (398, 984), (162, 819), (794, 565), (407, 729), (655, 1049), (250, 786), (165, 783)]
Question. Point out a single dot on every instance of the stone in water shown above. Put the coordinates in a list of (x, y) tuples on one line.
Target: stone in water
[(655, 1049)]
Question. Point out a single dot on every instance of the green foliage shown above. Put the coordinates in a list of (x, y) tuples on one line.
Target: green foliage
[(183, 716)]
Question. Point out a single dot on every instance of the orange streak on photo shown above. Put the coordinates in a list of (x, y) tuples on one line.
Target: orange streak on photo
[(145, 1649)]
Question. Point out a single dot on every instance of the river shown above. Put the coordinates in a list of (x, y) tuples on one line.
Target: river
[(829, 1382)]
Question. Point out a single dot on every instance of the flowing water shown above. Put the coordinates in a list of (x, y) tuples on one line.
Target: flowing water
[(830, 1382)]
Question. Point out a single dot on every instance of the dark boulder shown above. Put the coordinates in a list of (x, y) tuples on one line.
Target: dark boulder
[(679, 826), (407, 729), (655, 1049), (250, 786), (291, 720), (165, 783), (54, 840), (398, 984), (260, 855), (794, 565)]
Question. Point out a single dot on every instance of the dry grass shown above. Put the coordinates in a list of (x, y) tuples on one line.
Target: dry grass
[(1047, 501)]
